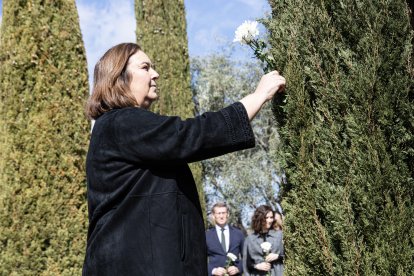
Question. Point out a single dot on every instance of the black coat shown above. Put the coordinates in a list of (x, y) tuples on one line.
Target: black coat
[(144, 213)]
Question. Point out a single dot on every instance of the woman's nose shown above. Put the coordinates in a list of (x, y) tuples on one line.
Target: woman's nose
[(155, 75)]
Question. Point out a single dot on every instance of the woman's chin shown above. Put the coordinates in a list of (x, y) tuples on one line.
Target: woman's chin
[(147, 103), (154, 96)]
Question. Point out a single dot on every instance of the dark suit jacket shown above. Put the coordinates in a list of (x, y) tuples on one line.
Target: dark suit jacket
[(144, 213), (216, 255)]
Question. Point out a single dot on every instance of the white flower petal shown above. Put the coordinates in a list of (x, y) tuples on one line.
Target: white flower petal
[(246, 32), (266, 246), (231, 256)]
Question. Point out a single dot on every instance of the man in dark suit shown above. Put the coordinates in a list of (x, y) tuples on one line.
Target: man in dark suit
[(221, 240)]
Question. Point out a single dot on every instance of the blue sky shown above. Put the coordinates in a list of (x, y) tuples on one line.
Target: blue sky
[(210, 24)]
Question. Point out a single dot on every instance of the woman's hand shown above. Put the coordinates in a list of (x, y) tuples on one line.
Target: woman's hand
[(271, 257), (269, 84), (264, 266)]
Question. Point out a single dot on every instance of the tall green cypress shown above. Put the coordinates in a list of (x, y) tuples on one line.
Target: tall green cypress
[(43, 139), (162, 33), (348, 137)]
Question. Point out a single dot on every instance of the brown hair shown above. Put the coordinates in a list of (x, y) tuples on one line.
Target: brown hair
[(259, 218), (218, 205), (276, 224), (111, 81)]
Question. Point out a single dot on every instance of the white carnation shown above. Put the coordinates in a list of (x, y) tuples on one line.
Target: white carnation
[(246, 32), (266, 246), (232, 257)]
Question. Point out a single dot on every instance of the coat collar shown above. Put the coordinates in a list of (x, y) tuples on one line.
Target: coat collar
[(271, 233), (218, 228)]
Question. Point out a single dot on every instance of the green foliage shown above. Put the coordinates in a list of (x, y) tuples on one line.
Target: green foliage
[(43, 139), (161, 32), (244, 179), (348, 140)]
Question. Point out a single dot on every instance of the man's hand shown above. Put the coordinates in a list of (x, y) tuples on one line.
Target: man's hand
[(264, 266), (219, 271), (233, 270), (271, 257)]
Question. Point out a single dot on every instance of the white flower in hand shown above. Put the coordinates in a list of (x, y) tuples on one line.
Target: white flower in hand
[(232, 257), (246, 32), (266, 246)]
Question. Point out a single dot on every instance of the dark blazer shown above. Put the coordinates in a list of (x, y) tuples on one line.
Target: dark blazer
[(144, 213), (216, 255)]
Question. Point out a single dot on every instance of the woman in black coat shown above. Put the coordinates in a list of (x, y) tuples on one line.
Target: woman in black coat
[(144, 213)]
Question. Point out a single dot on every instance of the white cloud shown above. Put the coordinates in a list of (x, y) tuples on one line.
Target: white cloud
[(105, 24), (255, 6), (206, 40)]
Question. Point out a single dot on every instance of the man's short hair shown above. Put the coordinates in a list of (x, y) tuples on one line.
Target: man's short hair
[(219, 205)]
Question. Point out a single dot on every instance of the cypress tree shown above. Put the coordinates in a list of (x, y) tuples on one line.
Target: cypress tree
[(161, 32), (43, 139), (348, 137)]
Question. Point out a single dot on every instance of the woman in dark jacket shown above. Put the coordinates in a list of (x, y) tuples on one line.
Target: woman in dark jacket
[(263, 250), (144, 213)]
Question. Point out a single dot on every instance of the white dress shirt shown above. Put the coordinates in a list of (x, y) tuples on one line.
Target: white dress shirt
[(226, 235)]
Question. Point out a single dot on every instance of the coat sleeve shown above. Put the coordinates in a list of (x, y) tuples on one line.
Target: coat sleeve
[(240, 263), (246, 261), (280, 247), (210, 266), (146, 137)]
